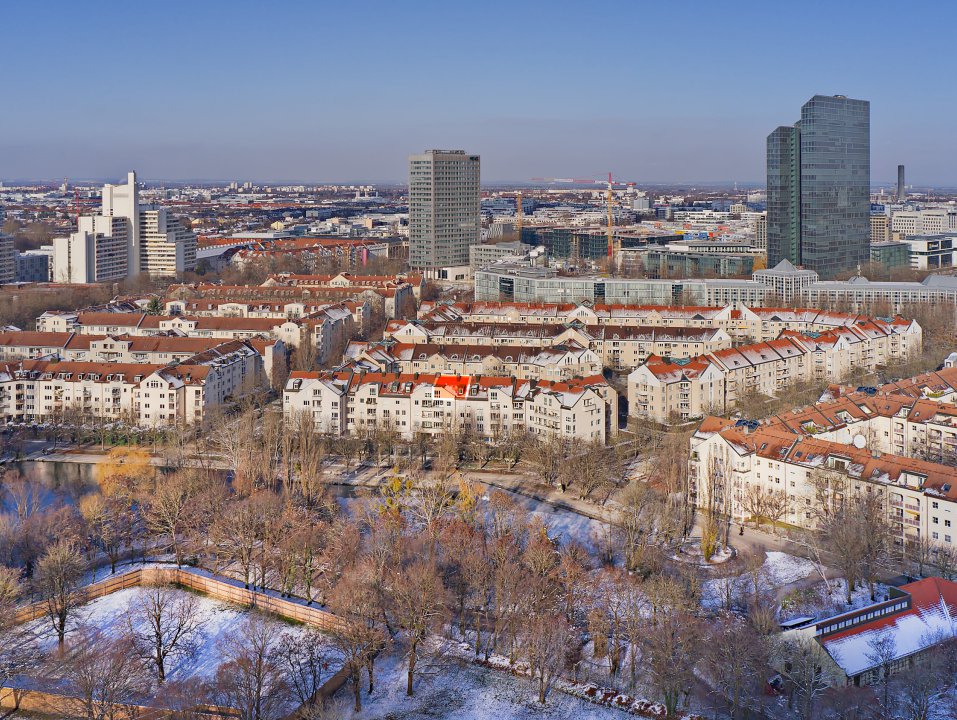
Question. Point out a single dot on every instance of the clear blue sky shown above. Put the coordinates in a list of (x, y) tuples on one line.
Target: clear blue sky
[(654, 91)]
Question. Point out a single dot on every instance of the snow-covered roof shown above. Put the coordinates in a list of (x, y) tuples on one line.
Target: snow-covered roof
[(922, 617)]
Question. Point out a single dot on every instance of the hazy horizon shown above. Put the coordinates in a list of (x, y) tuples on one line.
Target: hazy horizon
[(304, 93)]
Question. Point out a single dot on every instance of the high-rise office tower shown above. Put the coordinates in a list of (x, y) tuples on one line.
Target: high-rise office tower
[(444, 208), (819, 174), (901, 191), (123, 240), (8, 259)]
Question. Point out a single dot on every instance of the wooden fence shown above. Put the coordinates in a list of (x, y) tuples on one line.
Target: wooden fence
[(59, 705), (220, 588), (224, 589)]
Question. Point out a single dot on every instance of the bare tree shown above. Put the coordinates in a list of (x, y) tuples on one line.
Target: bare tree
[(419, 603), (25, 496), (807, 668), (882, 651), (251, 680), (302, 659), (544, 643), (432, 499), (169, 510), (922, 689), (108, 681), (669, 652), (57, 577), (735, 658), (164, 625), (357, 636), (18, 650)]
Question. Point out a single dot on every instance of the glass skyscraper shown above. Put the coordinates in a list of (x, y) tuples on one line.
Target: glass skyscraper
[(819, 175)]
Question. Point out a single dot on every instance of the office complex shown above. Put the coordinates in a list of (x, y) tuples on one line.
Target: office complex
[(444, 208), (124, 240), (819, 185)]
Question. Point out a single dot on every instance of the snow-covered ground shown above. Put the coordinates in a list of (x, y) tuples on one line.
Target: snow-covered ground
[(778, 570), (218, 622), (781, 569), (463, 690)]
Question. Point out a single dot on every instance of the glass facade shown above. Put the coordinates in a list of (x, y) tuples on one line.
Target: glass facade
[(819, 174), (784, 196), (835, 184)]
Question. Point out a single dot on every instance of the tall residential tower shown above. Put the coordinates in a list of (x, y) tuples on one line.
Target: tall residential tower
[(444, 208), (819, 174), (123, 240)]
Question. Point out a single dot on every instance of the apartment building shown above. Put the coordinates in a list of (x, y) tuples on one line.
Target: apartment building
[(665, 389), (555, 363), (396, 295), (899, 447), (618, 347), (123, 240), (880, 228), (328, 329), (130, 349), (347, 402), (144, 394), (168, 247)]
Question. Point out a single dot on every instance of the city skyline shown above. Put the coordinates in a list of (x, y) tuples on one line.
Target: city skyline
[(335, 97)]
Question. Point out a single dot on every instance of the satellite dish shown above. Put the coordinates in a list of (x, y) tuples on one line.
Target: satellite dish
[(859, 442)]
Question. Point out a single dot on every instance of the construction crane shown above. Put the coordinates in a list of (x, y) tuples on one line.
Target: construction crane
[(611, 219), (519, 214)]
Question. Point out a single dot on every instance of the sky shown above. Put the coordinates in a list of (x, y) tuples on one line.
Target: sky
[(345, 91)]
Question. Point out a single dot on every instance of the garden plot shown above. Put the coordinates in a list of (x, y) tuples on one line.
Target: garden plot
[(218, 622)]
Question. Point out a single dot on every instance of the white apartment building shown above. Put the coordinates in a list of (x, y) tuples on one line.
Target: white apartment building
[(618, 347), (123, 240), (667, 389), (130, 349), (168, 248), (144, 394), (900, 447), (347, 402), (444, 208)]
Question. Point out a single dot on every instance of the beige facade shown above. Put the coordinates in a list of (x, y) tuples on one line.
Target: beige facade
[(559, 362), (618, 347)]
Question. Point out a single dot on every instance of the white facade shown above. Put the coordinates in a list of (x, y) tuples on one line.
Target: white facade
[(493, 407), (123, 240)]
